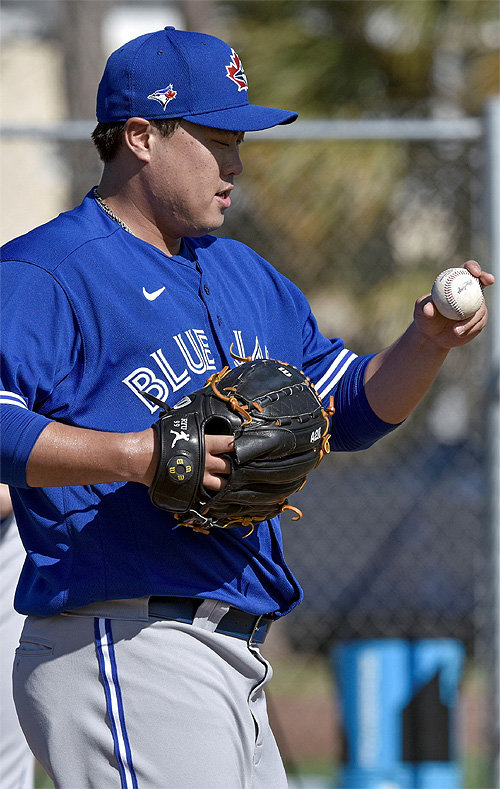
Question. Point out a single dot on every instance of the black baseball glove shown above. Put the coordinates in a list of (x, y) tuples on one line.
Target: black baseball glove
[(280, 433)]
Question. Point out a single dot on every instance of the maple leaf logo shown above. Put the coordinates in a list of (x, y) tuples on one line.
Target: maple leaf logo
[(235, 72)]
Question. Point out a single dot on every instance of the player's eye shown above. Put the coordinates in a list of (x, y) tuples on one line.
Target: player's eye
[(228, 143)]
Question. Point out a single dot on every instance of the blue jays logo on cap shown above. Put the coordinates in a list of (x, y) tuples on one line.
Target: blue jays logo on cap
[(164, 96), (204, 70), (235, 72)]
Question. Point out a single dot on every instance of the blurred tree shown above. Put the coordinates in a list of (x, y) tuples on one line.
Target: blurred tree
[(197, 14), (370, 57), (80, 32)]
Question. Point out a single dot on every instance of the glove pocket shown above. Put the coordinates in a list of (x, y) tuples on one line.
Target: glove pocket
[(247, 499), (271, 442), (275, 472)]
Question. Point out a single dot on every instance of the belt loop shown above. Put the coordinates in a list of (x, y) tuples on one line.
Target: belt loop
[(209, 614)]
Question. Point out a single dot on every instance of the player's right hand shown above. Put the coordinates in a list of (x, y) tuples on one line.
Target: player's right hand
[(443, 332), (217, 468)]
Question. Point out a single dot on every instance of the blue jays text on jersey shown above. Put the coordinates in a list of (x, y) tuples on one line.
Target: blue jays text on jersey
[(195, 356), (93, 317)]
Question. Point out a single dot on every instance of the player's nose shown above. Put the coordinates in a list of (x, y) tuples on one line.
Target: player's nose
[(232, 164)]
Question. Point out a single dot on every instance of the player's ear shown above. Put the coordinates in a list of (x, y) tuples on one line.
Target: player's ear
[(137, 137)]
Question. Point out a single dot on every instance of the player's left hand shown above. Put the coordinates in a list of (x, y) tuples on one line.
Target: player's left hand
[(444, 332)]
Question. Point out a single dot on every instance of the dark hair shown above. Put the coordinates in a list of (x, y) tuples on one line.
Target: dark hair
[(108, 137)]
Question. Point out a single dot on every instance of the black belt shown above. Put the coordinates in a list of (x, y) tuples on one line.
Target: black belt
[(235, 623)]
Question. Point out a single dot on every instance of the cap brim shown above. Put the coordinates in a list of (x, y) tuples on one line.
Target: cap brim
[(248, 117)]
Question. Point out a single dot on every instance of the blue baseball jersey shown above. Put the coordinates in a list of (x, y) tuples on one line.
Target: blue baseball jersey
[(92, 318)]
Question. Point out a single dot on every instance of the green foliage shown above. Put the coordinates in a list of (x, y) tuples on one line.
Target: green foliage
[(334, 59)]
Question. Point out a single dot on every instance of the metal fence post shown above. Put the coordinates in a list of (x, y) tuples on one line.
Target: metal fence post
[(492, 129)]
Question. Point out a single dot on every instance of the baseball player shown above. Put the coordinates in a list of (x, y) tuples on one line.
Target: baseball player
[(139, 664)]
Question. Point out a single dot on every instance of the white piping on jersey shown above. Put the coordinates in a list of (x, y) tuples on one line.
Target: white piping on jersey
[(11, 398), (335, 372)]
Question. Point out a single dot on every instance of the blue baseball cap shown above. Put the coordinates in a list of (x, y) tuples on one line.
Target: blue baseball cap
[(178, 74)]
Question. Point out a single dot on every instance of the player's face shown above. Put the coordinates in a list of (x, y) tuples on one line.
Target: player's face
[(190, 178)]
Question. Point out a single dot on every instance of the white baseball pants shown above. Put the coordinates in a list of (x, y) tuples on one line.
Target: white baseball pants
[(108, 697)]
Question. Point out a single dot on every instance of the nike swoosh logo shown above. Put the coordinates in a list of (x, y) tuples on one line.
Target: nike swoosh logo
[(154, 295)]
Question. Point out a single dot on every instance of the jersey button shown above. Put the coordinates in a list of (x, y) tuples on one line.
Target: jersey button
[(206, 289)]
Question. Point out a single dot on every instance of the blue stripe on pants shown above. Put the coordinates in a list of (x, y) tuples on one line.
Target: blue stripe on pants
[(114, 702)]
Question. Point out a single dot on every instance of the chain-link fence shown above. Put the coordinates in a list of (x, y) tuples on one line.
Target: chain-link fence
[(395, 541), (394, 538)]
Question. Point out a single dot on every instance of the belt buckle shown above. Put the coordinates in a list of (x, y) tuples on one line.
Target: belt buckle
[(255, 628)]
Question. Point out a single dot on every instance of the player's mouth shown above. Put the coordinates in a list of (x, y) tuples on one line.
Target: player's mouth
[(223, 198)]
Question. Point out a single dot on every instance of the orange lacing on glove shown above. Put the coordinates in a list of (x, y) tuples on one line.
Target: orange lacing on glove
[(217, 376), (254, 403), (199, 529), (244, 522), (239, 358), (190, 524), (290, 507), (330, 410), (325, 438), (231, 399), (252, 522), (233, 402)]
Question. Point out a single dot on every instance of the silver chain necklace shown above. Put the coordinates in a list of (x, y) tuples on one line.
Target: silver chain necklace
[(107, 210)]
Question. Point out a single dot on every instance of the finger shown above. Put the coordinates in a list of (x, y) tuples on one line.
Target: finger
[(427, 307), (217, 464), (216, 445), (213, 482), (474, 268), (217, 468), (473, 325), (485, 277)]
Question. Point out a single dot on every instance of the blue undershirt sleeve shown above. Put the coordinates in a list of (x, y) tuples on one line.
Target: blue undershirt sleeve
[(355, 425), (336, 371), (20, 431)]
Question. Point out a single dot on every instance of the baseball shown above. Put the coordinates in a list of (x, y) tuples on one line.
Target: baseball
[(457, 294)]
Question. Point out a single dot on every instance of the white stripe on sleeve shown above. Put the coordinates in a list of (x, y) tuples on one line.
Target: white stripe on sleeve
[(335, 372), (11, 398)]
